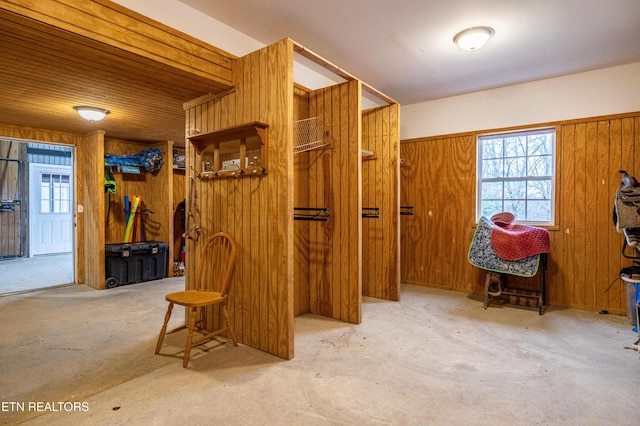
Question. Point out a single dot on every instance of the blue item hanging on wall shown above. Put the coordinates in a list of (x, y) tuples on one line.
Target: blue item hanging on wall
[(149, 158)]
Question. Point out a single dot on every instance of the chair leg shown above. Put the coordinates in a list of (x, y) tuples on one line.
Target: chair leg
[(163, 331), (225, 314), (192, 324), (487, 283)]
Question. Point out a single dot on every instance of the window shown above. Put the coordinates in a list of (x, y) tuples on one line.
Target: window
[(55, 193), (516, 173)]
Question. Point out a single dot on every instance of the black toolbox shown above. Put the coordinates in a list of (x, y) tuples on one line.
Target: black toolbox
[(131, 263)]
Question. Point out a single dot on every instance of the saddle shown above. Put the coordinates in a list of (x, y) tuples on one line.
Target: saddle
[(626, 213)]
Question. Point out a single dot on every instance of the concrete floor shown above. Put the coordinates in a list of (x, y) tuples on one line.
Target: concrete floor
[(437, 358), (28, 273)]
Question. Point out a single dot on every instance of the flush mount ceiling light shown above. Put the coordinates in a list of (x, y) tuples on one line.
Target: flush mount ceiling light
[(473, 38), (91, 113)]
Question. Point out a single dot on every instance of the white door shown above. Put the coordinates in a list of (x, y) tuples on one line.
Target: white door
[(50, 215)]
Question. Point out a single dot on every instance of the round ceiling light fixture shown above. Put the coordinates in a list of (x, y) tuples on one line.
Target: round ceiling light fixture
[(473, 38), (91, 113)]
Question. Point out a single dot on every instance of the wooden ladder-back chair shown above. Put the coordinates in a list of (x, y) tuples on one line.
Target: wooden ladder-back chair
[(211, 288)]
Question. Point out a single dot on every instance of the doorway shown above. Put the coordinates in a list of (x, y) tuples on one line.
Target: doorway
[(40, 179)]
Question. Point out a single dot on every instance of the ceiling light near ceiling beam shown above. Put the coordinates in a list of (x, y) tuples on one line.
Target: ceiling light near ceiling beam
[(473, 38), (91, 113)]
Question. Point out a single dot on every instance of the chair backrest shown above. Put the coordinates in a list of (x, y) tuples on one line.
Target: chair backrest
[(216, 264)]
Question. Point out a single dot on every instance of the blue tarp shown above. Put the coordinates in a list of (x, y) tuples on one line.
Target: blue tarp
[(149, 158)]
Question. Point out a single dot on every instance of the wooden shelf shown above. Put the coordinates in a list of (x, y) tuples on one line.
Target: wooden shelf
[(237, 151), (309, 135), (243, 131)]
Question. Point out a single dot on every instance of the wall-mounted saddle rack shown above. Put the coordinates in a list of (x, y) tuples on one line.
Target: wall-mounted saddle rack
[(371, 212), (311, 213), (406, 210)]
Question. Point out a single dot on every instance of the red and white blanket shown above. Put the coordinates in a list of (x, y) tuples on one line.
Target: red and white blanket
[(513, 242)]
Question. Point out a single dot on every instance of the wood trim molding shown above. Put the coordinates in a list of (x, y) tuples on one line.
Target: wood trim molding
[(555, 124)]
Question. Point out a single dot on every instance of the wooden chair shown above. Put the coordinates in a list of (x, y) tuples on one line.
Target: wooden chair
[(211, 288)]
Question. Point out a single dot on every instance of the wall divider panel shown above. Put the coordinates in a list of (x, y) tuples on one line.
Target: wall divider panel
[(301, 195), (334, 255), (90, 187), (258, 210), (585, 258), (381, 189), (335, 182)]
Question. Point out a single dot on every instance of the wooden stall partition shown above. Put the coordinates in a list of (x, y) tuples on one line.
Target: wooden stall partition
[(585, 256), (381, 190), (14, 199), (301, 199), (256, 210), (335, 182), (156, 194), (90, 190)]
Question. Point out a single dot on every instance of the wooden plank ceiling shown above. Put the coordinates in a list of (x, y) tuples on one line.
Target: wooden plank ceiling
[(45, 71)]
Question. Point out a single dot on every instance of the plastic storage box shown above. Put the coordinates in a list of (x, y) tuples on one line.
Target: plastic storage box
[(633, 296), (131, 263)]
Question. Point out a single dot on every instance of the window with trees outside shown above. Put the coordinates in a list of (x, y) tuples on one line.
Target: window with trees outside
[(516, 173)]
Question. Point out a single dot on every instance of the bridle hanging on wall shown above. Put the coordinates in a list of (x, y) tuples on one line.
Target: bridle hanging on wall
[(193, 232)]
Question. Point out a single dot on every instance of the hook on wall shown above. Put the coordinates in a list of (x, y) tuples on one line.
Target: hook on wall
[(311, 213), (371, 212)]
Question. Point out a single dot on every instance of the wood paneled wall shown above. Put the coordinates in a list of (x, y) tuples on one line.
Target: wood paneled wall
[(301, 199), (335, 182), (256, 211), (179, 217), (155, 189), (9, 177), (348, 256), (13, 186), (585, 256), (132, 33), (381, 188), (91, 223), (40, 135)]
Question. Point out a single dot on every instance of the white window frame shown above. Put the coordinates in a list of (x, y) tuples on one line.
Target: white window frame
[(57, 191), (553, 176)]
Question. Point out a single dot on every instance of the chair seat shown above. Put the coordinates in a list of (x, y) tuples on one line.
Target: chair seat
[(195, 298)]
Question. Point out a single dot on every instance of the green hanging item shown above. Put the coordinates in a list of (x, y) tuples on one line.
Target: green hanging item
[(109, 180)]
